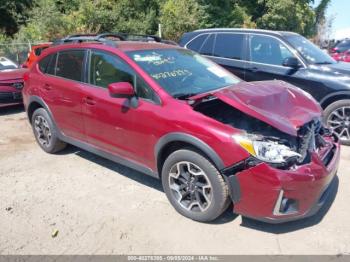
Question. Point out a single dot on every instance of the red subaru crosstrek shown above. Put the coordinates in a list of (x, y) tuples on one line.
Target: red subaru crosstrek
[(170, 113)]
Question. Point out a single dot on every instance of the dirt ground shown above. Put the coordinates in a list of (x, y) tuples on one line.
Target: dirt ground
[(99, 207)]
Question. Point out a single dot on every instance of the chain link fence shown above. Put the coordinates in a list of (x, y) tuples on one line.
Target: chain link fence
[(16, 52)]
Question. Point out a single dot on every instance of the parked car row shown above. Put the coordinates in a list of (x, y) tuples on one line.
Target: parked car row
[(256, 55), (341, 51), (210, 136)]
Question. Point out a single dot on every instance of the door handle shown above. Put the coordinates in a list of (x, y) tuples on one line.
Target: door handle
[(47, 87), (254, 69), (89, 100)]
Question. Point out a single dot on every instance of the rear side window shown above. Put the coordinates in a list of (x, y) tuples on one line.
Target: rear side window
[(197, 42), (70, 64), (229, 45)]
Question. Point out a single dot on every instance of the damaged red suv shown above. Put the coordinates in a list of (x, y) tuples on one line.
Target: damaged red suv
[(170, 113)]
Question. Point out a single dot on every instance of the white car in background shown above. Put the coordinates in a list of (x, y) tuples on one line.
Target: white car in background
[(6, 64)]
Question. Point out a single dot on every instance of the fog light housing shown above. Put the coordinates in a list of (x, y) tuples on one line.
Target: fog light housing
[(285, 206)]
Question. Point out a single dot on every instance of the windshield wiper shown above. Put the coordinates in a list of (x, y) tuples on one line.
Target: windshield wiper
[(183, 95), (323, 63)]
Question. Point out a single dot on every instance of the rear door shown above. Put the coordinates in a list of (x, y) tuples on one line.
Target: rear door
[(225, 48), (62, 91), (230, 52)]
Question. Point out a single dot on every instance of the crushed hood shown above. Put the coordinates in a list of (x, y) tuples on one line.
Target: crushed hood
[(276, 103)]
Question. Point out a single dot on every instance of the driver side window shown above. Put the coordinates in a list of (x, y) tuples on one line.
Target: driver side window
[(106, 69), (267, 50)]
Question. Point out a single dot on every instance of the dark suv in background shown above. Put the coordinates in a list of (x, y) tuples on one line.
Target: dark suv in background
[(256, 55)]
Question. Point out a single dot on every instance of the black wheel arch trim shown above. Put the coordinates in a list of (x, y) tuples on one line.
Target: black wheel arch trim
[(36, 99), (190, 139), (230, 179), (324, 99)]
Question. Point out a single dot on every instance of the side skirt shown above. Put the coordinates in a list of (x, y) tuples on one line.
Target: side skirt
[(109, 156)]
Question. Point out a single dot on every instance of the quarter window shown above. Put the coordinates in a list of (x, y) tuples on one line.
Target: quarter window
[(70, 64), (267, 50), (197, 43), (229, 45), (106, 69), (47, 64), (208, 46), (43, 63)]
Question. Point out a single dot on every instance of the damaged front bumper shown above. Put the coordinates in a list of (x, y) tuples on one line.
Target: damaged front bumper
[(273, 195), (10, 93)]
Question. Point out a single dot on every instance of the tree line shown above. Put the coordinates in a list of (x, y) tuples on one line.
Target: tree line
[(43, 20)]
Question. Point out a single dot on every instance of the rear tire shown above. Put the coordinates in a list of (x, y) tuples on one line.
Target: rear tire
[(194, 186), (45, 133), (337, 118)]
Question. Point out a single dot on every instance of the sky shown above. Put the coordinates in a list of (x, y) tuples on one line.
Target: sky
[(340, 9)]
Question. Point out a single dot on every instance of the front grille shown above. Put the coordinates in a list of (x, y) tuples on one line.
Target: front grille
[(9, 97), (17, 85), (310, 138), (306, 140)]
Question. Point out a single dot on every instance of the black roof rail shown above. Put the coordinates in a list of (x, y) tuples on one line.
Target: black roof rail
[(79, 38), (140, 37), (104, 38)]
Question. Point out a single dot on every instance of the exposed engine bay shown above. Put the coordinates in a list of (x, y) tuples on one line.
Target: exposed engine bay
[(309, 138)]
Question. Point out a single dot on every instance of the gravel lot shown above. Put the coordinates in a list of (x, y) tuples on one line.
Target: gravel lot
[(99, 207)]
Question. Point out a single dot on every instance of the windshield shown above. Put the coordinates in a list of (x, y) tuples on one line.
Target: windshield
[(183, 73), (309, 51)]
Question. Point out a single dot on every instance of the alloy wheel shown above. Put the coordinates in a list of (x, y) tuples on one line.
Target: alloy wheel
[(43, 131), (190, 186), (339, 123)]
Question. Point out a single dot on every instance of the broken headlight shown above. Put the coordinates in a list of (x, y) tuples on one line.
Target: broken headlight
[(265, 150)]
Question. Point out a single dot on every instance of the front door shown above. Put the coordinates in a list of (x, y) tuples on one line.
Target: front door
[(118, 125)]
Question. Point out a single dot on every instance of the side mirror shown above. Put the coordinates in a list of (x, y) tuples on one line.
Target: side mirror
[(291, 62), (121, 90)]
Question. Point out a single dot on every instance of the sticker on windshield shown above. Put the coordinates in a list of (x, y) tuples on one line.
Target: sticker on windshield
[(147, 58), (218, 71), (154, 59), (174, 73)]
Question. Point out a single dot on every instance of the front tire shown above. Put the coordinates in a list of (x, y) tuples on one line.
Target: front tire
[(337, 118), (45, 133), (194, 186)]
